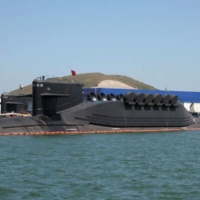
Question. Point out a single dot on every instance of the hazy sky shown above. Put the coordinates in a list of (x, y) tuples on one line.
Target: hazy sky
[(153, 41)]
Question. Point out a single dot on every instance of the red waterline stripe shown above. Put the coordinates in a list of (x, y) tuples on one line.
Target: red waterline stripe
[(93, 131)]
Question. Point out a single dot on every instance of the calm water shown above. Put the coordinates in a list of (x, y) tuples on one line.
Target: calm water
[(105, 166)]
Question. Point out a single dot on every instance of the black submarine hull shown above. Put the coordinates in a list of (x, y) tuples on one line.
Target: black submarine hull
[(101, 118), (63, 108)]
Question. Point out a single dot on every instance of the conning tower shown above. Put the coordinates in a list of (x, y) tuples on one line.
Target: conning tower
[(51, 97), (16, 103)]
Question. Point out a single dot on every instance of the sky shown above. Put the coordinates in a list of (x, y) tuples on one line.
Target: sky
[(153, 41)]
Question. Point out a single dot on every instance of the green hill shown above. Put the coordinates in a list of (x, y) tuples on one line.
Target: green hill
[(91, 80)]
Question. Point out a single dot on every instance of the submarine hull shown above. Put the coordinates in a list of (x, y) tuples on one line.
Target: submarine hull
[(63, 108), (103, 117)]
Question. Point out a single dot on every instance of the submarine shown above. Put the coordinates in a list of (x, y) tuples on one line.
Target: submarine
[(19, 103), (64, 108)]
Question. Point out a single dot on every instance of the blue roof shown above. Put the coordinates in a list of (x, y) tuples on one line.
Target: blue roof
[(183, 96)]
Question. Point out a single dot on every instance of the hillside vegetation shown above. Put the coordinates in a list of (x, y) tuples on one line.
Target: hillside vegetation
[(91, 80)]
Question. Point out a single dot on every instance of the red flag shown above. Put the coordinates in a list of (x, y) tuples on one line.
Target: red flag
[(73, 73)]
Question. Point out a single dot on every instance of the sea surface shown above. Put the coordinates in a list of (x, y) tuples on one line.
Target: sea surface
[(101, 166)]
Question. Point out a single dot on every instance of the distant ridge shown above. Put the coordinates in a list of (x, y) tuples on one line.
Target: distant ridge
[(91, 80)]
